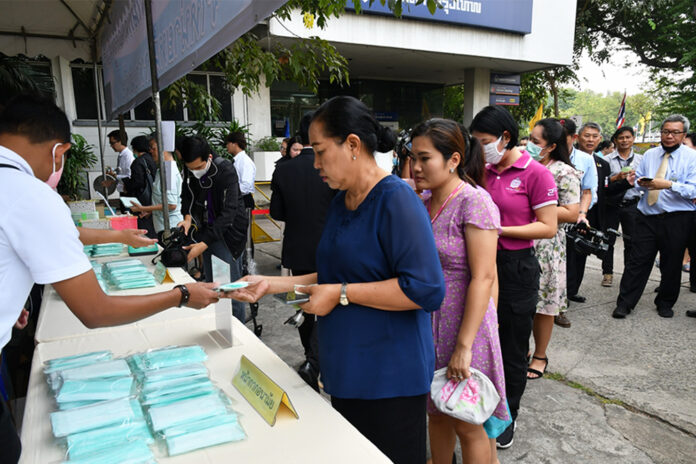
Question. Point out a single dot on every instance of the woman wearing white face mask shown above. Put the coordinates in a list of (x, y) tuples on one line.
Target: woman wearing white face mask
[(551, 252), (525, 194)]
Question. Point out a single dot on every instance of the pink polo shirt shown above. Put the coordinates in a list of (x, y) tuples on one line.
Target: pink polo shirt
[(517, 191)]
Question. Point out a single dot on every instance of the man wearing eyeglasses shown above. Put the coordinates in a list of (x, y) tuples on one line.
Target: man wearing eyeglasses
[(667, 177)]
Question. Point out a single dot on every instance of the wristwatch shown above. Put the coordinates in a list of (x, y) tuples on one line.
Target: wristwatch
[(344, 298), (185, 295)]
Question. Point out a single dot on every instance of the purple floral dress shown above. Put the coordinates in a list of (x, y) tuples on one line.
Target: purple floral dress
[(471, 206)]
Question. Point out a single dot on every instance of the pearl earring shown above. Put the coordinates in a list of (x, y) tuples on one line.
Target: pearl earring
[(355, 157), (451, 170)]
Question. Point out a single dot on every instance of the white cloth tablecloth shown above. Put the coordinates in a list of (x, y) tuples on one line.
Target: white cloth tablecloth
[(57, 322), (321, 435)]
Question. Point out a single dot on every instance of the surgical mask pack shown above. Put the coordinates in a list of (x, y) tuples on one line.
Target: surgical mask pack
[(102, 250), (101, 401), (127, 274), (491, 153)]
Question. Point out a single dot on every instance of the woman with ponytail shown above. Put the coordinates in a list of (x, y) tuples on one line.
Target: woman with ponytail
[(378, 279), (465, 224)]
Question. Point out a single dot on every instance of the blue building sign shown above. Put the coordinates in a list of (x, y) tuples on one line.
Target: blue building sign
[(505, 15)]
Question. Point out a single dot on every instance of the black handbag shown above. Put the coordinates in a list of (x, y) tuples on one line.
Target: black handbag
[(173, 255)]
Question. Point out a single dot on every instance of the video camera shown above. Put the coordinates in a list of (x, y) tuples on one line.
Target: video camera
[(402, 149), (590, 241)]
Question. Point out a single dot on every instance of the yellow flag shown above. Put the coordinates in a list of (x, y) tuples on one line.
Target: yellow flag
[(537, 117)]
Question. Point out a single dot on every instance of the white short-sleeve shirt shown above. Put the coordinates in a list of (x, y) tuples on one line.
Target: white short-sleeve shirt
[(38, 239), (246, 171)]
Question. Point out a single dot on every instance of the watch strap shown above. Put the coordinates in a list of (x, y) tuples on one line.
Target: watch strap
[(185, 295)]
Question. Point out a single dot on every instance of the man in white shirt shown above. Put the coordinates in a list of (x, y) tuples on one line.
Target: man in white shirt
[(40, 244), (246, 169), (125, 156)]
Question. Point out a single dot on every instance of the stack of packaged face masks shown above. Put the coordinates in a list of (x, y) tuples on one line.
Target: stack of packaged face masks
[(103, 249), (182, 405), (97, 268), (124, 274), (99, 418)]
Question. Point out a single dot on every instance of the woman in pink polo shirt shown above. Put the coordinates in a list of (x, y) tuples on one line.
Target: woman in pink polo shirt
[(526, 195)]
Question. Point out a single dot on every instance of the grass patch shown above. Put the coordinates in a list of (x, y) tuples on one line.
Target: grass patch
[(585, 389)]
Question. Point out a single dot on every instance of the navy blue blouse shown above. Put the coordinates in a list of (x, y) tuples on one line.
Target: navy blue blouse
[(367, 353)]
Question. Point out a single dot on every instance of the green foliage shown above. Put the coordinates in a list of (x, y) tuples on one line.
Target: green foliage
[(200, 104), (18, 76), (80, 159), (267, 144), (660, 32), (215, 134), (453, 106)]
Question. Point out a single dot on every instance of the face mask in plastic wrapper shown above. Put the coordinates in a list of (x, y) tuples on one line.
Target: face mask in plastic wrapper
[(169, 357), (102, 414), (106, 369), (171, 373), (181, 412), (202, 434), (152, 385), (95, 389), (68, 362), (181, 393), (135, 452), (85, 443)]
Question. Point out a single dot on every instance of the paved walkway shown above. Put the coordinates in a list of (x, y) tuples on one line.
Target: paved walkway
[(618, 391)]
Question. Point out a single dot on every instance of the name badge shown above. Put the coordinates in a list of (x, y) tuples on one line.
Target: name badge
[(261, 392)]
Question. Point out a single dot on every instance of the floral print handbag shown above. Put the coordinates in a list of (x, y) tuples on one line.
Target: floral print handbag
[(471, 400)]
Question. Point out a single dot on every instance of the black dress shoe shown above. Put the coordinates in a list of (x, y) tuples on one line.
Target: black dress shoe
[(620, 313), (310, 375), (691, 313), (665, 312), (577, 298)]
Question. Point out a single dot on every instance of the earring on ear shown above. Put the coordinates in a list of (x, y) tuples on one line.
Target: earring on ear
[(451, 170), (354, 157)]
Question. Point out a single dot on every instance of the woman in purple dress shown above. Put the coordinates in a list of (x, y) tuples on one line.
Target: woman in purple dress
[(466, 224)]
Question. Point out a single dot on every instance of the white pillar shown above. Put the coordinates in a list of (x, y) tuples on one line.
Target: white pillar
[(254, 110), (477, 83), (65, 94)]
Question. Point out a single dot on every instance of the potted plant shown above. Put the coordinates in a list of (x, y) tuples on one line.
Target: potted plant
[(266, 153), (79, 159)]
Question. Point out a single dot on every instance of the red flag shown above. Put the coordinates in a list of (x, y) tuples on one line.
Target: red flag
[(621, 119)]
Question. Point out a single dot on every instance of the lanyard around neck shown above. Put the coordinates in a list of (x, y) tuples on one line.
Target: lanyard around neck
[(454, 192)]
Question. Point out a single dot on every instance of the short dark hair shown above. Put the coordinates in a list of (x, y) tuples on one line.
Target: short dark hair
[(141, 144), (238, 138), (116, 134), (623, 129), (449, 137), (36, 118), (692, 136), (344, 115), (554, 132), (495, 120), (604, 144), (195, 148), (303, 133)]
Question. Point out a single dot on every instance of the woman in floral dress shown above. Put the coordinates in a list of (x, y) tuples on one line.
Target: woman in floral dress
[(466, 224), (548, 134)]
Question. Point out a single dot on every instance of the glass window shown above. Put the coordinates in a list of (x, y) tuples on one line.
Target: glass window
[(170, 113), (85, 94), (145, 111), (219, 91)]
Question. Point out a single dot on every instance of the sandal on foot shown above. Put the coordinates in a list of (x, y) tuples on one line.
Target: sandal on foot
[(539, 374)]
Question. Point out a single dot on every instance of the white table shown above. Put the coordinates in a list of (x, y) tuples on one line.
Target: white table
[(57, 322), (320, 435)]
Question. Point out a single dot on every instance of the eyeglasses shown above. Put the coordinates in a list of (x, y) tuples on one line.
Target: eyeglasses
[(671, 132)]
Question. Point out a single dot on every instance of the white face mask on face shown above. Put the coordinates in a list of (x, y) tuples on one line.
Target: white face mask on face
[(198, 173), (491, 153)]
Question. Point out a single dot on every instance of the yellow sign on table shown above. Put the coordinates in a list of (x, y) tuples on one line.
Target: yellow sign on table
[(261, 392)]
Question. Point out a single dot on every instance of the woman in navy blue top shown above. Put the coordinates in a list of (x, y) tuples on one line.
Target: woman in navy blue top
[(379, 278)]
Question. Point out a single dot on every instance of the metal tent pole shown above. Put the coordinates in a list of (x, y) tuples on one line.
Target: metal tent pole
[(97, 88), (158, 114)]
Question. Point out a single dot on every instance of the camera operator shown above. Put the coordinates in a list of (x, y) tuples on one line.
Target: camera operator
[(214, 213)]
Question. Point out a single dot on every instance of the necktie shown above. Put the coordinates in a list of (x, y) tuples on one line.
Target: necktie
[(661, 171)]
